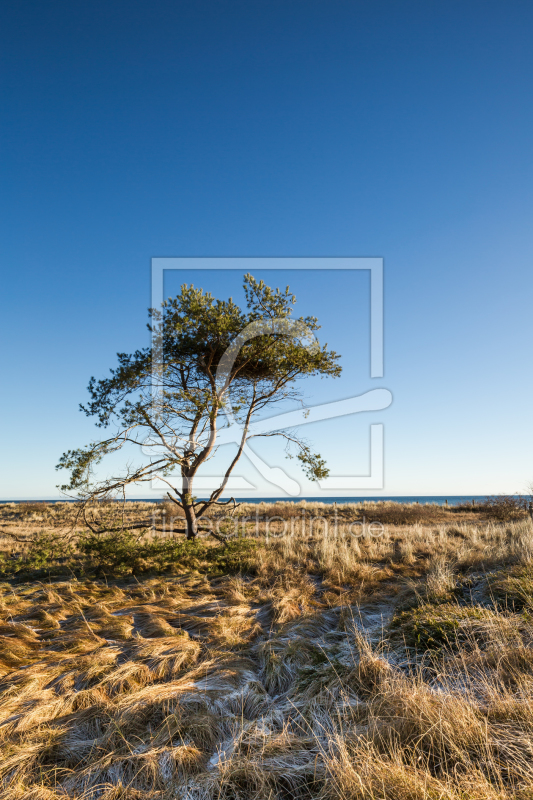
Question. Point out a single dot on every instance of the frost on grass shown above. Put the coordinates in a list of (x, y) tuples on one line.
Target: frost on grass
[(323, 668)]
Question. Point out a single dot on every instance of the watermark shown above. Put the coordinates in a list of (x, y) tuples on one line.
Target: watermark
[(260, 526), (374, 400)]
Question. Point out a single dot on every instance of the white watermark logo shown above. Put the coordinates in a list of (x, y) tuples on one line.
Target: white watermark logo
[(259, 526), (374, 400)]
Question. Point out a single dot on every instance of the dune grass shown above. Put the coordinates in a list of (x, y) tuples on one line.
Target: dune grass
[(315, 665)]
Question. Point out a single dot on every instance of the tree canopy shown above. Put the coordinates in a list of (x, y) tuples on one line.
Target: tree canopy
[(212, 366)]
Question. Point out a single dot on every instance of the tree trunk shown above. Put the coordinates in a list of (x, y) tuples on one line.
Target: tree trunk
[(192, 522)]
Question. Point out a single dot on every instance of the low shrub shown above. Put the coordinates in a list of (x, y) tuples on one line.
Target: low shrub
[(402, 514), (283, 510), (123, 553), (26, 509), (119, 553), (236, 556), (431, 627), (46, 552), (505, 508)]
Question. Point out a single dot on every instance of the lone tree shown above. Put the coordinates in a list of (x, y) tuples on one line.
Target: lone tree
[(211, 370)]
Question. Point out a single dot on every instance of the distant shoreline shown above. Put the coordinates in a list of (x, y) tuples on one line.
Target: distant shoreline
[(433, 499)]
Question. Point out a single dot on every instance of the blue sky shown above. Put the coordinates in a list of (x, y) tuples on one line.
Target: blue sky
[(400, 130)]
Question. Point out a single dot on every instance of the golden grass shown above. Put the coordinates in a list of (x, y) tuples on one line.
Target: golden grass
[(397, 667)]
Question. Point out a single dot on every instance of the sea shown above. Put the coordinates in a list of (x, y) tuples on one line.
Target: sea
[(440, 500)]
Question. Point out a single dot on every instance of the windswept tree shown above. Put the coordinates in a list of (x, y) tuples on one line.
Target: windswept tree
[(212, 370)]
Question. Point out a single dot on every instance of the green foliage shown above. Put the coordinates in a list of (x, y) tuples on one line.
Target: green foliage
[(81, 463), (313, 465), (118, 553), (47, 552), (123, 554), (236, 556), (211, 363), (431, 627)]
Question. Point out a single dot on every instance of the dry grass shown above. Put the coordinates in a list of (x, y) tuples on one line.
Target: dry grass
[(335, 667)]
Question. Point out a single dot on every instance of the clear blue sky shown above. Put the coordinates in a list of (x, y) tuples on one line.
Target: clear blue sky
[(273, 128)]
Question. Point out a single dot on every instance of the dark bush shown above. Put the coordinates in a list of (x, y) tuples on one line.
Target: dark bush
[(236, 556), (505, 508), (25, 509), (398, 514), (171, 511), (283, 510), (46, 553), (123, 553)]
